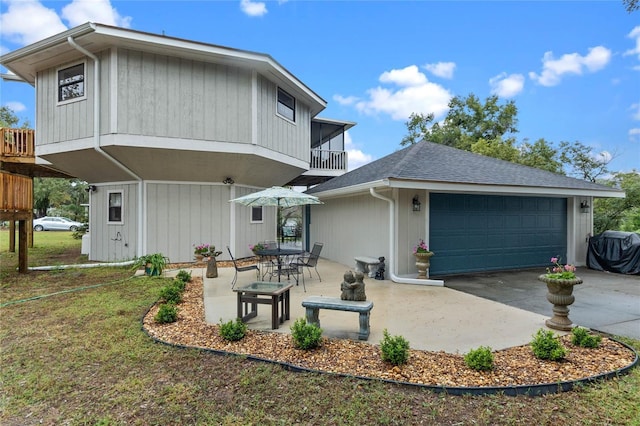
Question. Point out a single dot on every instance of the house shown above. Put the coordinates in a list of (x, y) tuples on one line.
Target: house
[(166, 131), (476, 213)]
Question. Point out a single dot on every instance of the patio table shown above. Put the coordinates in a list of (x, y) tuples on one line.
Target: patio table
[(267, 293), (279, 254)]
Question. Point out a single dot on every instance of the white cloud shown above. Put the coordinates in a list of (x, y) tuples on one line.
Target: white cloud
[(441, 69), (15, 106), (604, 156), (634, 134), (570, 63), (80, 11), (635, 111), (345, 100), (28, 21), (253, 8), (634, 34), (416, 94), (506, 86), (357, 158)]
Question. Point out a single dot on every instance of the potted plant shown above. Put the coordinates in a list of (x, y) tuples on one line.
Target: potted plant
[(423, 256), (256, 247), (153, 264), (560, 280), (201, 251)]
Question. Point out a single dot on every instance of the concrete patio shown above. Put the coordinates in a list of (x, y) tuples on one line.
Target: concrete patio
[(430, 318)]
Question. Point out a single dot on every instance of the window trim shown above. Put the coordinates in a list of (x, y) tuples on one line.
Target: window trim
[(278, 103), (251, 220), (121, 221), (84, 81)]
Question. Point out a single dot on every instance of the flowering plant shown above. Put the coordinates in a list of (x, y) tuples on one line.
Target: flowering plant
[(561, 272), (255, 247), (421, 247), (206, 250)]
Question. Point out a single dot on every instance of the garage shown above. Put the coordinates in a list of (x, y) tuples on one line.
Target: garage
[(472, 233)]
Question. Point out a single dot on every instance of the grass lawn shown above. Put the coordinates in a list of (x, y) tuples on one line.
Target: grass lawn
[(80, 357)]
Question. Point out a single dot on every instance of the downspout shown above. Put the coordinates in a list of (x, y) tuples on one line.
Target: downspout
[(96, 139), (392, 247)]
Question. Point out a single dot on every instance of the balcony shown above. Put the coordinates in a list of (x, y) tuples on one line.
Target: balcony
[(17, 145), (16, 197), (324, 165)]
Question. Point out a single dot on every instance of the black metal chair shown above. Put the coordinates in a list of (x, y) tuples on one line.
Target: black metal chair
[(242, 268), (309, 260)]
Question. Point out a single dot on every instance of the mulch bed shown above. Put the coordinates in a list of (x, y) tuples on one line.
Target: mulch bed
[(512, 367)]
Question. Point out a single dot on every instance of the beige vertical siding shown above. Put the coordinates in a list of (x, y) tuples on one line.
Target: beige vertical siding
[(351, 226), (248, 233), (114, 242)]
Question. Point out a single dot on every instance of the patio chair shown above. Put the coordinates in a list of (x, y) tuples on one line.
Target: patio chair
[(267, 263), (309, 260), (242, 268)]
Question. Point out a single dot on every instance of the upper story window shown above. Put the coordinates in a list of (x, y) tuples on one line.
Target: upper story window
[(71, 83), (115, 207), (286, 105)]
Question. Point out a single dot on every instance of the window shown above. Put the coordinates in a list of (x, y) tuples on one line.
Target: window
[(286, 105), (71, 83), (115, 207), (256, 214)]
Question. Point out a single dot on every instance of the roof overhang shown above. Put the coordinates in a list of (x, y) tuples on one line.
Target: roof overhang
[(52, 51), (466, 188)]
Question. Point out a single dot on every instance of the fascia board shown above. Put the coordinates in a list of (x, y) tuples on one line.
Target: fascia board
[(351, 190)]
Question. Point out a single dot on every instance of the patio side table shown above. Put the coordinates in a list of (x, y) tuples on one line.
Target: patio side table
[(267, 293)]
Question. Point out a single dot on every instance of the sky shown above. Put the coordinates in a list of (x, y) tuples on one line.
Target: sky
[(572, 68)]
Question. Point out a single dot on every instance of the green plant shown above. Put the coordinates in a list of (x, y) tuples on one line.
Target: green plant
[(154, 263), (171, 293), (546, 345), (183, 275), (305, 336), (395, 349), (233, 330), (580, 337), (422, 247), (179, 284), (561, 272), (166, 313), (80, 231), (480, 359)]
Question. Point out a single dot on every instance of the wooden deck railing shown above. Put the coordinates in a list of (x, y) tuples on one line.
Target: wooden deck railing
[(16, 196), (17, 145), (328, 160)]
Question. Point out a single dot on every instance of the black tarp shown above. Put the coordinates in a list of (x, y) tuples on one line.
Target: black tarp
[(615, 251)]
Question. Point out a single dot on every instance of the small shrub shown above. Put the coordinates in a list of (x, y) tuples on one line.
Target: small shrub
[(179, 284), (480, 359), (394, 349), (171, 294), (580, 337), (233, 330), (183, 276), (305, 336), (546, 345), (167, 313)]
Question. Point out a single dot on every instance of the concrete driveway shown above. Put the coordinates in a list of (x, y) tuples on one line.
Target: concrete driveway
[(605, 301)]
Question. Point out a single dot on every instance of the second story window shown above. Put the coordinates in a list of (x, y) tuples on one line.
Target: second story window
[(71, 83), (286, 105)]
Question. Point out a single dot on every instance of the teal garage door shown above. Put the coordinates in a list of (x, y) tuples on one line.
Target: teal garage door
[(471, 233)]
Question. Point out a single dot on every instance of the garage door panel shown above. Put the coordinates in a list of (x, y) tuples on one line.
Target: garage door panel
[(483, 232)]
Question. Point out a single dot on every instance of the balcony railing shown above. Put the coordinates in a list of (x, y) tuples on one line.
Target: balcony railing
[(328, 160), (17, 145)]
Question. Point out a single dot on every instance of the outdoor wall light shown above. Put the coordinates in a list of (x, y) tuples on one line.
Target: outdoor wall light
[(416, 204), (584, 207), (92, 188), (228, 181)]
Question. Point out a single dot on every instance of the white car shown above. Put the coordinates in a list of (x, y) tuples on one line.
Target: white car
[(51, 223)]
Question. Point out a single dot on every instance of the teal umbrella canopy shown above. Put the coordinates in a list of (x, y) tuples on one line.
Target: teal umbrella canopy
[(277, 196)]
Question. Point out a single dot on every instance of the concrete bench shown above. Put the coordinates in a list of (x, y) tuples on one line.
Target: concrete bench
[(313, 305), (367, 265)]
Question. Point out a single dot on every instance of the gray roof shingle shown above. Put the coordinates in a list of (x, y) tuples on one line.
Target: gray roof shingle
[(431, 162)]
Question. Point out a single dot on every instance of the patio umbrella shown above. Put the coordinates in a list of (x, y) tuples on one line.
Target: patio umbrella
[(277, 196)]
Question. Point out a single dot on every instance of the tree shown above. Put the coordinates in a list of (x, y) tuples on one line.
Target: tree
[(540, 155), (9, 119), (631, 5), (619, 213), (66, 195), (583, 163)]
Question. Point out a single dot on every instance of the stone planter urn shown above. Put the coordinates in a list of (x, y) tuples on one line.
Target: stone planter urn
[(423, 263), (560, 294), (199, 257)]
